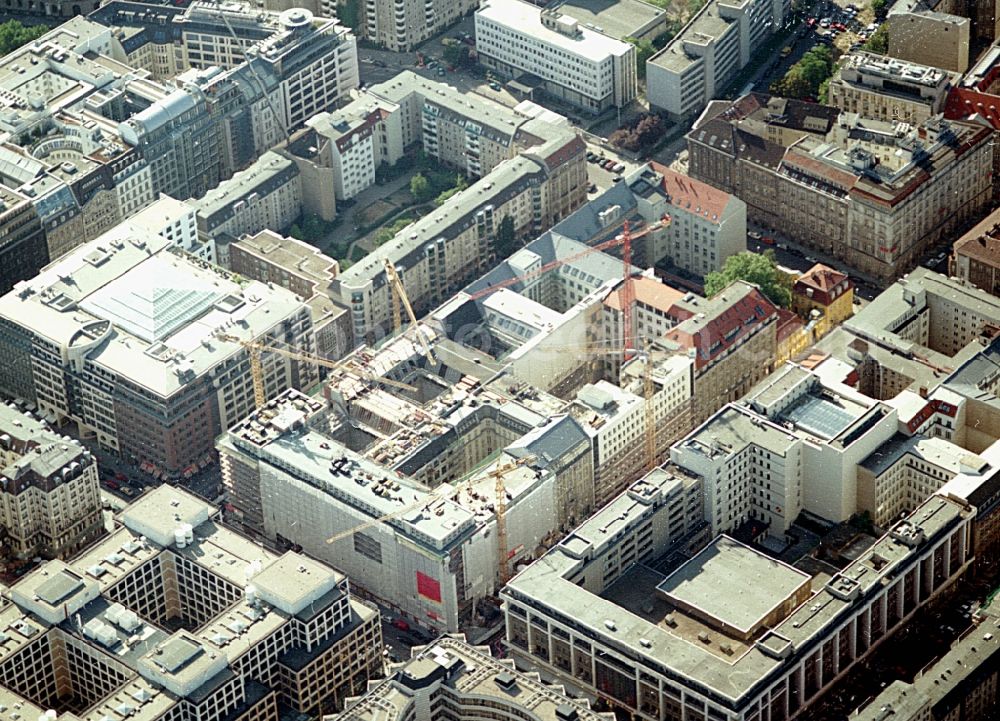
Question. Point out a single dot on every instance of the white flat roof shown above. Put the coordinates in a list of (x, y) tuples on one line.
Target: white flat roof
[(524, 18)]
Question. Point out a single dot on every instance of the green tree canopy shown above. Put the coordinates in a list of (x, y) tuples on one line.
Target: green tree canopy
[(644, 50), (805, 78), (349, 13), (880, 8), (759, 269), (421, 188), (13, 35), (879, 41), (506, 240)]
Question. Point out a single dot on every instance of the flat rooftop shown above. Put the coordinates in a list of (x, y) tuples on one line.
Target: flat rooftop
[(733, 585), (621, 19), (526, 18)]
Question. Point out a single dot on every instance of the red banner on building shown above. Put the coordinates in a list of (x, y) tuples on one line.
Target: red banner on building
[(428, 587)]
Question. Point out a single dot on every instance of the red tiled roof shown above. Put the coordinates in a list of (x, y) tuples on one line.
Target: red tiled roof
[(963, 102), (653, 293), (821, 277), (725, 323), (692, 195), (788, 323)]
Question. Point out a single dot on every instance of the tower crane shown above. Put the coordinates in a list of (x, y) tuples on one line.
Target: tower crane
[(399, 292), (647, 393), (623, 239), (503, 553), (255, 347), (464, 482)]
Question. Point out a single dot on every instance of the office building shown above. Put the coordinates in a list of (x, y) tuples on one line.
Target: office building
[(304, 270), (885, 88), (123, 337), (465, 682), (700, 62), (174, 615), (22, 241), (265, 195), (568, 60), (659, 640), (50, 499), (873, 194)]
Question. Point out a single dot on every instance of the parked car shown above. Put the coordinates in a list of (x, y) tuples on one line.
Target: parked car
[(608, 164), (754, 235), (111, 483), (591, 156), (786, 51), (128, 491), (619, 168), (494, 85), (592, 188), (824, 23), (401, 624)]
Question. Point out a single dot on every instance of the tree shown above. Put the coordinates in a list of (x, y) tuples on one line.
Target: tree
[(349, 13), (644, 50), (759, 269), (13, 35), (879, 41), (457, 55), (506, 240), (420, 187), (805, 78), (880, 7)]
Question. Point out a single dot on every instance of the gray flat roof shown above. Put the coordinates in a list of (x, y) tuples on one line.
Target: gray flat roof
[(733, 583), (620, 19)]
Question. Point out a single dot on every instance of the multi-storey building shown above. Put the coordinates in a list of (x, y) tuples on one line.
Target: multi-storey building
[(450, 678), (50, 501), (912, 21), (826, 290), (304, 270), (960, 684), (662, 642), (124, 337), (174, 615), (22, 239), (706, 55), (401, 25), (265, 195), (876, 195), (294, 476), (884, 88), (575, 63), (976, 255), (731, 339)]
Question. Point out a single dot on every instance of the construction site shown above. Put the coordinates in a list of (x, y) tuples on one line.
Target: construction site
[(433, 467)]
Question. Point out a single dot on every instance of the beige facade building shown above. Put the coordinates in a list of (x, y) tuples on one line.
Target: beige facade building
[(912, 22), (976, 255), (50, 501), (304, 270), (873, 194), (884, 88), (401, 25), (175, 616)]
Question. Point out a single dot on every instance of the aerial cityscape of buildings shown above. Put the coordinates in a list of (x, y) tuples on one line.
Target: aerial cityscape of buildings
[(454, 361)]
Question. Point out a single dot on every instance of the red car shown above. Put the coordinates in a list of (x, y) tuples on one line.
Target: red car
[(401, 624), (111, 483), (810, 22)]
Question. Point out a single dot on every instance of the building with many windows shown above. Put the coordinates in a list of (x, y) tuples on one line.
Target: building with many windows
[(575, 63), (659, 640), (451, 679), (174, 615), (401, 25), (874, 194), (130, 338), (50, 501), (705, 56)]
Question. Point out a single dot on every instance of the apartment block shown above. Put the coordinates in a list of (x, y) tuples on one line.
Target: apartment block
[(51, 501), (658, 640), (574, 63), (466, 682), (976, 255), (401, 25), (885, 88), (265, 195), (175, 615), (873, 194), (125, 337), (306, 272), (700, 62)]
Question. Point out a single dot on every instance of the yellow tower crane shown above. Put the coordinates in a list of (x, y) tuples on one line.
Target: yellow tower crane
[(400, 296), (464, 482), (254, 349), (503, 553)]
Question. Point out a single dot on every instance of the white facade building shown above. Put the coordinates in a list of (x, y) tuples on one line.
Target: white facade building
[(710, 50), (579, 65)]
